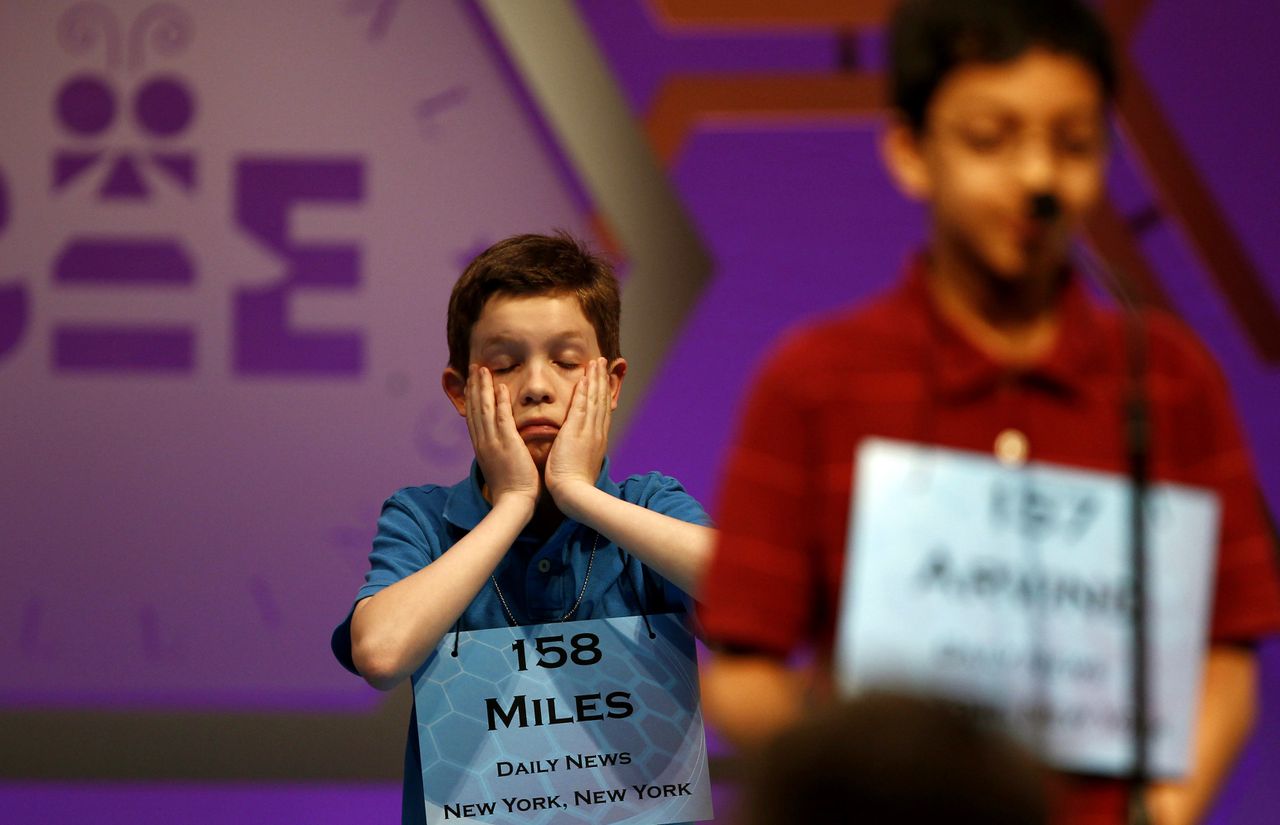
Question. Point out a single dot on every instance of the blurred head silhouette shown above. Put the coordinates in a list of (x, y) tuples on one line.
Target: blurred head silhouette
[(887, 759)]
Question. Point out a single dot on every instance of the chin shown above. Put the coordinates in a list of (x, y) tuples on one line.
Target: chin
[(1015, 267), (1000, 267)]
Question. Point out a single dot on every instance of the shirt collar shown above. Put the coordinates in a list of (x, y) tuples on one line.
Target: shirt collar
[(962, 369), (465, 505)]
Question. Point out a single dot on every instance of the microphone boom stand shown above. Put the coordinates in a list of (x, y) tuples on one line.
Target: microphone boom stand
[(1138, 457)]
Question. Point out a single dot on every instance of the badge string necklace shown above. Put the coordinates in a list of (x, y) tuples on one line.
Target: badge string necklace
[(581, 593)]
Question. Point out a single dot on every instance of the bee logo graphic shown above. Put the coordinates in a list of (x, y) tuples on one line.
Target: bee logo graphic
[(88, 105)]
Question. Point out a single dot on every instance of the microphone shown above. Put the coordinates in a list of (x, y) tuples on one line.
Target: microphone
[(1045, 206)]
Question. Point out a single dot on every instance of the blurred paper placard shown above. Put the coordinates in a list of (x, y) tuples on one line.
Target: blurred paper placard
[(1009, 587)]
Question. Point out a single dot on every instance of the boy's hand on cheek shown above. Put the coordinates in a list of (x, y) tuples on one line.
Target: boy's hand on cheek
[(509, 471), (579, 448)]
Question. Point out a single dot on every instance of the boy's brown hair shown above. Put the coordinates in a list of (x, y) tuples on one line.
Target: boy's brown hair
[(528, 265), (928, 39)]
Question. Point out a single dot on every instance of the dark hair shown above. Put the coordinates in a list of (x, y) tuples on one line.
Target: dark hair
[(535, 265), (930, 38), (884, 759)]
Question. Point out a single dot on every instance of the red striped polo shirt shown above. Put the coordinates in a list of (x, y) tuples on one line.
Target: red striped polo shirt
[(896, 368)]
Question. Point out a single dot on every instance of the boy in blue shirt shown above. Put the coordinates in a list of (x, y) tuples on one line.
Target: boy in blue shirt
[(538, 532)]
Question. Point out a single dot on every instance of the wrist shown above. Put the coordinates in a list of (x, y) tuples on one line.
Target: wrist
[(517, 505), (571, 496)]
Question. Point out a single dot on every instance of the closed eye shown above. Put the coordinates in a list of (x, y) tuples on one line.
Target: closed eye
[(1079, 145), (985, 142)]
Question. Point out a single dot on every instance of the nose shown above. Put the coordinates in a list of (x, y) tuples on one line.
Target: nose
[(1037, 165), (537, 387)]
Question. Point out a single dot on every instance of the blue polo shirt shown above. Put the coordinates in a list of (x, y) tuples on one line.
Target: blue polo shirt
[(540, 579)]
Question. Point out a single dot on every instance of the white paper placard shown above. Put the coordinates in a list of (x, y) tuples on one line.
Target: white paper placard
[(1010, 587), (565, 723)]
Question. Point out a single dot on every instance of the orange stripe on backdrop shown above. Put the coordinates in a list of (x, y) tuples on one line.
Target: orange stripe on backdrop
[(1123, 17), (684, 101), (687, 101), (1184, 196), (773, 14)]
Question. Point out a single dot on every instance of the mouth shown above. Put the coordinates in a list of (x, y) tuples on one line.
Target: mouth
[(539, 428), (1032, 235), (1027, 228)]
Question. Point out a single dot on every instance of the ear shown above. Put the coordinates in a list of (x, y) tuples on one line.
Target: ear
[(617, 371), (903, 157), (455, 386)]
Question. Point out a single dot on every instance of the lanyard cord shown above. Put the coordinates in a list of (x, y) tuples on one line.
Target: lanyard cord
[(581, 593), (506, 609), (622, 557)]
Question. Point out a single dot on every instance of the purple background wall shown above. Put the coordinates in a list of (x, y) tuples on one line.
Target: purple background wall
[(152, 511), (217, 368)]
